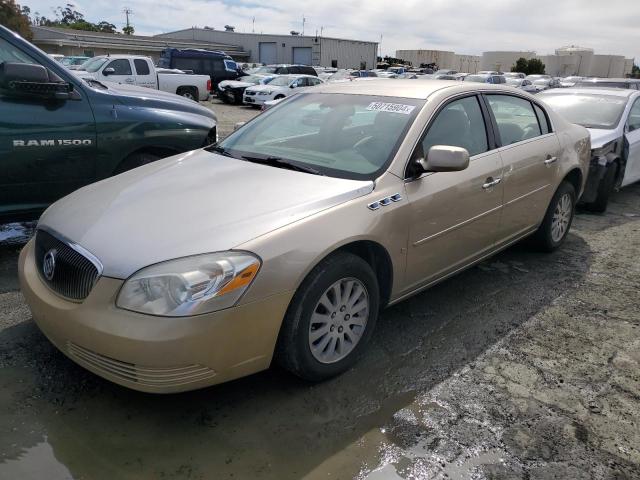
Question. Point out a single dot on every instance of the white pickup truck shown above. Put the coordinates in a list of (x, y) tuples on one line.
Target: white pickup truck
[(140, 71)]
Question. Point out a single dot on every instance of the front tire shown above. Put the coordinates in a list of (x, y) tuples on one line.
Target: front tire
[(331, 318), (557, 221)]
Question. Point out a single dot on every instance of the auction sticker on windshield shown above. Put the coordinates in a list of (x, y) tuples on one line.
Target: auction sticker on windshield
[(391, 107)]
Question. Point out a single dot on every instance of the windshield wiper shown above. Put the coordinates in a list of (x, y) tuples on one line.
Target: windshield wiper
[(220, 150), (282, 163)]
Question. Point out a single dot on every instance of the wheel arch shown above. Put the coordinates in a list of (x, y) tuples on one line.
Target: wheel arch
[(161, 152), (376, 256), (575, 178)]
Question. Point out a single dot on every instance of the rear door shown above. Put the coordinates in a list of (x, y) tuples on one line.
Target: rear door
[(119, 70), (632, 140), (454, 215), (145, 73), (47, 146), (530, 152)]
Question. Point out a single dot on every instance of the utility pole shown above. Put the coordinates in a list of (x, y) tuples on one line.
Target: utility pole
[(304, 20), (127, 11), (253, 29)]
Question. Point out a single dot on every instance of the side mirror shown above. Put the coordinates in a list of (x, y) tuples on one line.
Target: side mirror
[(238, 125), (443, 158), (31, 80), (108, 71)]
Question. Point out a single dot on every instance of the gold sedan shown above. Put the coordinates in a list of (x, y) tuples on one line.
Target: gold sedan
[(285, 240)]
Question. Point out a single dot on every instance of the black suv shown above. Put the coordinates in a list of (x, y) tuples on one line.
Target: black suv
[(218, 65)]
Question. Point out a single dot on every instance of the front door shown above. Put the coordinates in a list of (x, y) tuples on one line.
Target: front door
[(530, 153), (122, 71), (454, 215), (632, 141), (47, 146)]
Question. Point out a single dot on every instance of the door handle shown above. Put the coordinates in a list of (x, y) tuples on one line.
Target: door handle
[(550, 160), (491, 182), (129, 80)]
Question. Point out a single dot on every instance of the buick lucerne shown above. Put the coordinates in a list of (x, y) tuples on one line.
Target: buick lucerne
[(283, 241)]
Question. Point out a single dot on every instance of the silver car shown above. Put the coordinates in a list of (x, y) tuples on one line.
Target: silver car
[(612, 117), (283, 241), (523, 84)]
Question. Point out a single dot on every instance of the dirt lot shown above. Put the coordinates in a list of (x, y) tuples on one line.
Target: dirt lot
[(525, 367)]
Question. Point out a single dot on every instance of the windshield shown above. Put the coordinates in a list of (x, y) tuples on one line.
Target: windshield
[(282, 81), (255, 79), (591, 111), (346, 136), (95, 64), (476, 78)]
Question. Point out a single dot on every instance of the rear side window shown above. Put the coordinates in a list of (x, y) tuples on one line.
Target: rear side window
[(459, 124), (516, 119), (187, 64), (542, 120), (142, 67), (634, 117), (120, 67)]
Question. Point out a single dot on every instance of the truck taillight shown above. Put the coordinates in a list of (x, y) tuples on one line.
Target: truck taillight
[(209, 85)]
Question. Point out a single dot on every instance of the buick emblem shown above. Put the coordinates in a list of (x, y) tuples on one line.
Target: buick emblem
[(49, 264)]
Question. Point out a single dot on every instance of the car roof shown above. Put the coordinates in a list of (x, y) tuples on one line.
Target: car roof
[(418, 88), (611, 92)]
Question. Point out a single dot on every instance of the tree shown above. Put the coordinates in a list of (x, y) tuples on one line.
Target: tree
[(106, 27), (13, 17), (533, 66), (635, 71), (128, 30)]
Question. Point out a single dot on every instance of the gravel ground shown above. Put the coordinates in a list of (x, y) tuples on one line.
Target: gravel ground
[(524, 367)]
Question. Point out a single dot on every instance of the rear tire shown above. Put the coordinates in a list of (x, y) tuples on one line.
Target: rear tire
[(605, 189), (278, 97), (330, 319), (188, 92), (555, 226), (136, 160)]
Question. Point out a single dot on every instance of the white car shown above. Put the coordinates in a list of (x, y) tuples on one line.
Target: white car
[(140, 71), (612, 117), (522, 84), (279, 87), (232, 91)]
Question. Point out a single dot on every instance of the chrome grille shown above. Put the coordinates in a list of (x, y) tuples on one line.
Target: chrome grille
[(148, 376), (73, 275)]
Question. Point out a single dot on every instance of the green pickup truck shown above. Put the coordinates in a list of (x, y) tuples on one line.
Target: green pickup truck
[(59, 132)]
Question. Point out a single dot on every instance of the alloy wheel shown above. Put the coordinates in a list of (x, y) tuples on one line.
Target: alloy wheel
[(561, 217), (339, 320)]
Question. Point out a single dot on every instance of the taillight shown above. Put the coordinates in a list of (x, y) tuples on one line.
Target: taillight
[(209, 85)]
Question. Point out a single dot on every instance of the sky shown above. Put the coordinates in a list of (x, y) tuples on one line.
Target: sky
[(463, 26)]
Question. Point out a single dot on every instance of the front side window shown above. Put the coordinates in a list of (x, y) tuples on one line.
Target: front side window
[(515, 117), (120, 67), (10, 54), (346, 136), (459, 124), (142, 67), (634, 117)]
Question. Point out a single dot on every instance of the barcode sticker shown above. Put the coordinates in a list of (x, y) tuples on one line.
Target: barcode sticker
[(391, 107)]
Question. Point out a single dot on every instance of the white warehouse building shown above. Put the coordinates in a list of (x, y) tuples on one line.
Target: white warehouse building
[(298, 49), (566, 61)]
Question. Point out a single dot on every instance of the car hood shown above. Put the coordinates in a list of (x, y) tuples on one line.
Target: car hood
[(135, 96), (189, 204), (234, 84), (600, 137), (265, 88)]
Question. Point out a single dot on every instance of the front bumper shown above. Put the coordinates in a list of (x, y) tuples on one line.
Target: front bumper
[(148, 353), (256, 99)]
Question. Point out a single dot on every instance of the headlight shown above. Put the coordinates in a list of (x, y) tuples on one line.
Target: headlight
[(191, 285), (265, 92)]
